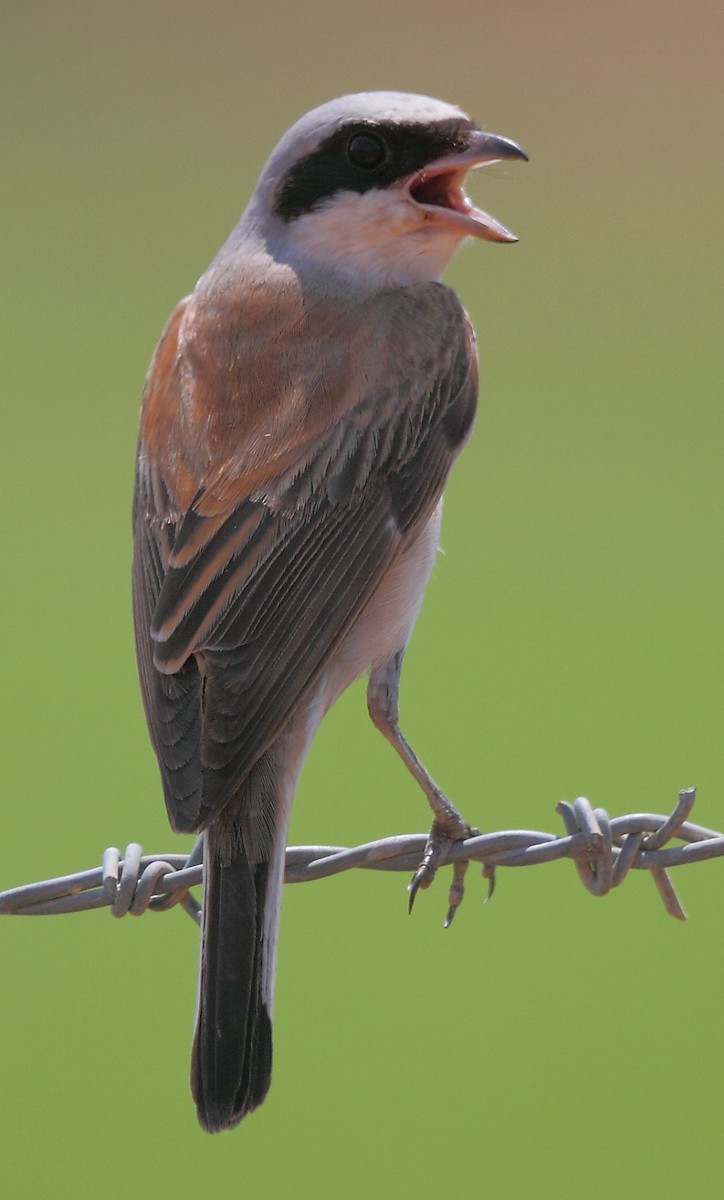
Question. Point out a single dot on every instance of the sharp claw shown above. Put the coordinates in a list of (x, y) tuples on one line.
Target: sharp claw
[(436, 849), (489, 874), (457, 891), (422, 878)]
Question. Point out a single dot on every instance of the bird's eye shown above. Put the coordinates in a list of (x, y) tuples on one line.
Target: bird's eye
[(366, 150)]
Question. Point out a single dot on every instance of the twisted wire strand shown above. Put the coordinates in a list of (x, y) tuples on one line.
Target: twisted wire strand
[(603, 850)]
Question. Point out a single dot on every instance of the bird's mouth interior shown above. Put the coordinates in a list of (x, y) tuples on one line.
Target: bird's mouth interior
[(439, 190)]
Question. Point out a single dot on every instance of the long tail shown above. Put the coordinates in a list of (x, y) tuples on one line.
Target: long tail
[(243, 879), (232, 1054)]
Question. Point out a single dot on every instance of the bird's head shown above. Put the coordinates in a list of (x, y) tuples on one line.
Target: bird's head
[(372, 187)]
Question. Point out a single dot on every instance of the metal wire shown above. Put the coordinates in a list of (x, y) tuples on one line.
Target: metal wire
[(603, 849)]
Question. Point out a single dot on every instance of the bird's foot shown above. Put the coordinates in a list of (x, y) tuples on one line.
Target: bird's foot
[(444, 833)]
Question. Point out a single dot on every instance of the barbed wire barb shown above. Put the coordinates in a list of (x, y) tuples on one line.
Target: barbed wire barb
[(603, 850)]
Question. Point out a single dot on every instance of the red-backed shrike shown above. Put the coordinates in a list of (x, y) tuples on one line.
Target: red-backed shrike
[(301, 415)]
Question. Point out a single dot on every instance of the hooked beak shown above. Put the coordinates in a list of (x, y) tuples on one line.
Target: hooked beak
[(439, 188)]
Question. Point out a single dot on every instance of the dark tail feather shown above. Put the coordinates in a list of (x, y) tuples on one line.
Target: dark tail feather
[(232, 1054)]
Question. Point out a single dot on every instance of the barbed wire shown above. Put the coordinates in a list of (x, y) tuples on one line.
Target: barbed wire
[(603, 850)]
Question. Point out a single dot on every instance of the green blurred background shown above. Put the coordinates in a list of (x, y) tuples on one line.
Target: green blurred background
[(570, 642)]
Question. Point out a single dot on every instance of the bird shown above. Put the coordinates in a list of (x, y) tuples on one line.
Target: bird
[(300, 417)]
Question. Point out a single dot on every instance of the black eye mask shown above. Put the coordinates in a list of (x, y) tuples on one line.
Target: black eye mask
[(361, 156)]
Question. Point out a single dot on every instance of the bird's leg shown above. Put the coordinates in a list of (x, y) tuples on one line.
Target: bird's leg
[(448, 824)]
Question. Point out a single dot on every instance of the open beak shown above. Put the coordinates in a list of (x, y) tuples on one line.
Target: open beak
[(439, 188)]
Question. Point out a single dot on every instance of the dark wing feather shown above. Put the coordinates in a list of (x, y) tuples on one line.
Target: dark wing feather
[(172, 702), (255, 683), (262, 595)]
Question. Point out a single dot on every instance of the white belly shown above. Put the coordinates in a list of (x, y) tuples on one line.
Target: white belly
[(385, 625)]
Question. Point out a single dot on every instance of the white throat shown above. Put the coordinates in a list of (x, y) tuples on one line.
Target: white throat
[(376, 239)]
